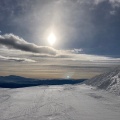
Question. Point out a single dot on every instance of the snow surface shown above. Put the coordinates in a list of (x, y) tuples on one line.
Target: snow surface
[(65, 102), (109, 81)]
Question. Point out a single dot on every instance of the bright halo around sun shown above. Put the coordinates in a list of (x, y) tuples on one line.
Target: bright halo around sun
[(51, 39)]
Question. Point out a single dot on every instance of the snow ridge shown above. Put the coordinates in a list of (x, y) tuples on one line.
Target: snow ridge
[(109, 81)]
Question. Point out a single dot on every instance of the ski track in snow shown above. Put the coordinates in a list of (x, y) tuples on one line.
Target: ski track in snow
[(67, 102)]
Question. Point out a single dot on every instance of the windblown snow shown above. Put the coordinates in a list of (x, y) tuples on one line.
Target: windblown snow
[(109, 81)]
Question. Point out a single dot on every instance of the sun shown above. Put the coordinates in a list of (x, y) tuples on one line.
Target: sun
[(51, 39)]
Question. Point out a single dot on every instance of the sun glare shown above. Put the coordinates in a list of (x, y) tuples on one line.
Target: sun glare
[(51, 39)]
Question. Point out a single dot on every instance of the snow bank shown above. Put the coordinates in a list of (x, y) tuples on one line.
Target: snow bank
[(109, 81)]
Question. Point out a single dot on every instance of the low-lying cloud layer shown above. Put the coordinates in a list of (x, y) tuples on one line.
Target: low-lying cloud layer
[(18, 44), (15, 59), (14, 42)]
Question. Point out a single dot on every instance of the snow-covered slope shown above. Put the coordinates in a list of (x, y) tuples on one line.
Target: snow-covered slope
[(65, 102), (109, 81)]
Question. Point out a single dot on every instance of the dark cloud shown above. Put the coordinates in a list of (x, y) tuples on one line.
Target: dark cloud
[(16, 59), (14, 42)]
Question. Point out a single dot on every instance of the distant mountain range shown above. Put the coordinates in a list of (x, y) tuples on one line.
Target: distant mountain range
[(13, 81), (109, 81)]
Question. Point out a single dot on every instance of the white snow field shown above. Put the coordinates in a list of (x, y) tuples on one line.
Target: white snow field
[(65, 102)]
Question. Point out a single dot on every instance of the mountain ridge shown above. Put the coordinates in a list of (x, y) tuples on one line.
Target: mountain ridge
[(13, 81)]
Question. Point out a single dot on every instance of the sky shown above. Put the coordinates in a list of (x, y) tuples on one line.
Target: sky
[(86, 32)]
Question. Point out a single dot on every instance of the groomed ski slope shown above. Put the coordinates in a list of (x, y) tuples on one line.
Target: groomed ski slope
[(66, 102)]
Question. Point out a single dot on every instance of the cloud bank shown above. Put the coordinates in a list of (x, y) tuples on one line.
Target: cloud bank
[(37, 52), (16, 59), (14, 42)]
